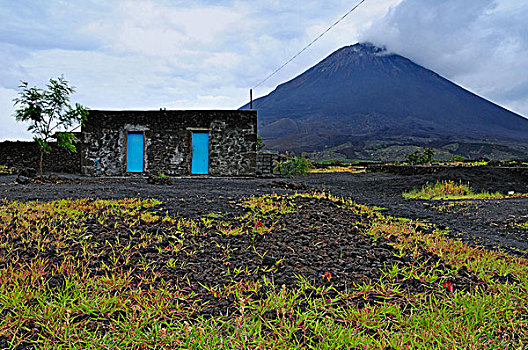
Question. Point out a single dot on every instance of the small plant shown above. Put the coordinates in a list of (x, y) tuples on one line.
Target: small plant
[(5, 170), (523, 225), (260, 143), (293, 166)]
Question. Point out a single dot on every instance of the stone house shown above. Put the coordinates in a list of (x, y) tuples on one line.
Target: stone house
[(175, 143)]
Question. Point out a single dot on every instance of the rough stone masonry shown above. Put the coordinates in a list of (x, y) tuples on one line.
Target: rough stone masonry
[(167, 141)]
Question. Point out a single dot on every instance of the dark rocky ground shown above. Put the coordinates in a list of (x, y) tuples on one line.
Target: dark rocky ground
[(487, 222), (319, 241), (491, 223)]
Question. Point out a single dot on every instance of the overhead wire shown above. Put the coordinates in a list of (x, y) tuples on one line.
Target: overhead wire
[(310, 44)]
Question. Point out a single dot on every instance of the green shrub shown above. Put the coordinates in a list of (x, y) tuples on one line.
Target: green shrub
[(457, 158), (292, 166), (260, 143), (5, 170), (421, 157)]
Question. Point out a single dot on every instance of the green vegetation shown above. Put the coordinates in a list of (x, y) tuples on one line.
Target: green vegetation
[(5, 170), (337, 166), (292, 166), (49, 111), (460, 206), (421, 157), (517, 163), (339, 169), (260, 143), (112, 306), (448, 190), (335, 162), (455, 161), (524, 225), (458, 158)]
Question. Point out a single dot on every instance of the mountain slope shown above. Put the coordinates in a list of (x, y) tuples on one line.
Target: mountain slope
[(363, 93)]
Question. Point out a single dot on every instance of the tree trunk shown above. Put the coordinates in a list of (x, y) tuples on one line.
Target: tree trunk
[(41, 158)]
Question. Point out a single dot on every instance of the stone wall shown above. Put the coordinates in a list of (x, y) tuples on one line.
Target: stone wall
[(167, 135), (26, 154), (266, 163), (416, 170)]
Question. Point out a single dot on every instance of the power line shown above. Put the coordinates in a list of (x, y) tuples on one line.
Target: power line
[(310, 44)]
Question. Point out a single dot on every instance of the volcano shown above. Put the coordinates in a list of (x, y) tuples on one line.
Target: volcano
[(363, 96)]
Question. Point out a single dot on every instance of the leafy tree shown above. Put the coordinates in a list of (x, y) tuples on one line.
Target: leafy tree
[(423, 157), (428, 154), (457, 158), (49, 112)]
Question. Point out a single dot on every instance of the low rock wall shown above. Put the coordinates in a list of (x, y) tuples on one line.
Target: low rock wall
[(26, 154), (266, 163), (410, 170)]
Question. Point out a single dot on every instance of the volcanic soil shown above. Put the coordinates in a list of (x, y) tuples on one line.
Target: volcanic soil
[(320, 240), (492, 223)]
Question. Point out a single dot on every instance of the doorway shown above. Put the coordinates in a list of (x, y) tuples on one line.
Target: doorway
[(135, 150), (200, 153)]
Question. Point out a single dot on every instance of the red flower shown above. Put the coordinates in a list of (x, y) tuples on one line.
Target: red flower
[(448, 285), (327, 275)]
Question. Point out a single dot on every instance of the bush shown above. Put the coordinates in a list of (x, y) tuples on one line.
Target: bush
[(448, 189), (293, 166), (423, 157), (260, 143), (457, 158)]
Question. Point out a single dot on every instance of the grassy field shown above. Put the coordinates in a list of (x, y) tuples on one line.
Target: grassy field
[(67, 282), (453, 190)]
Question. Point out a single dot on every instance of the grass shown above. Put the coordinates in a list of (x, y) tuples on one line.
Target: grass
[(449, 190), (338, 169), (111, 309), (461, 207), (5, 170), (523, 225)]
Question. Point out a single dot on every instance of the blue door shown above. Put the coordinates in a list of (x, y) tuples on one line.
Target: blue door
[(135, 153), (200, 153)]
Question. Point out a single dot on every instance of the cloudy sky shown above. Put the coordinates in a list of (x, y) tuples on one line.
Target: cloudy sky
[(205, 54)]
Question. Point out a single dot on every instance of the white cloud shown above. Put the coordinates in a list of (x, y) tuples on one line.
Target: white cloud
[(10, 129), (272, 51), (480, 44)]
